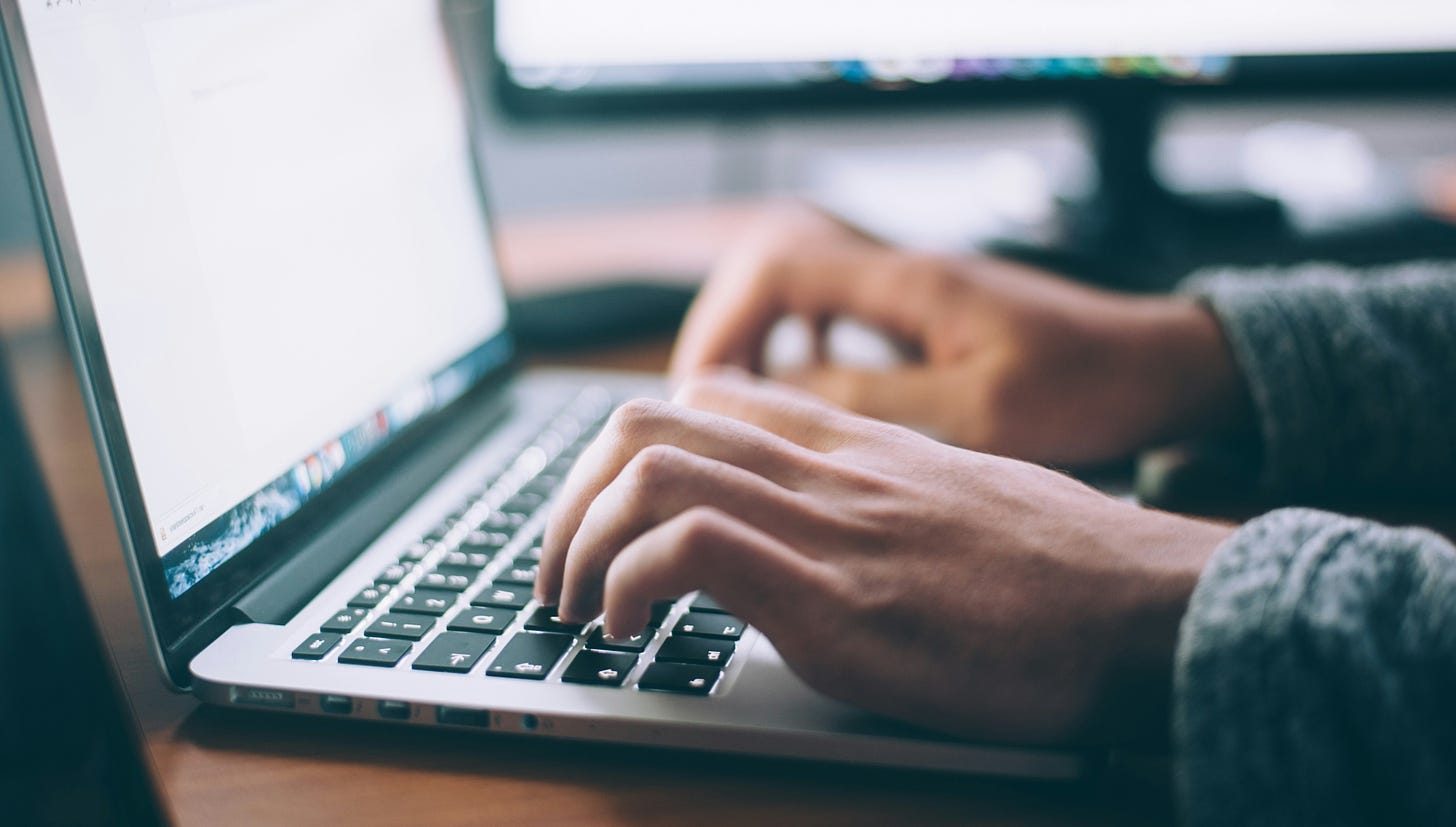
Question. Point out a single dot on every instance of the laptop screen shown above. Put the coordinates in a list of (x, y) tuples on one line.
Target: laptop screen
[(282, 236)]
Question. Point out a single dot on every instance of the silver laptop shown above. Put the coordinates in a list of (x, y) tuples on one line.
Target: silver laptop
[(270, 250)]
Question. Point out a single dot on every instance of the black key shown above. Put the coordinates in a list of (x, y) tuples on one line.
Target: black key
[(660, 611), (504, 521), (725, 627), (400, 626), (546, 482), (370, 652), (454, 652), (679, 677), (464, 571), (528, 501), (635, 643), (460, 513), (416, 552), (503, 596), (370, 596), (485, 542), (448, 581), (524, 575), (530, 656), (394, 573), (599, 668), (688, 649), (344, 620), (545, 619), (490, 621), (316, 646), (426, 602), (466, 560), (705, 603)]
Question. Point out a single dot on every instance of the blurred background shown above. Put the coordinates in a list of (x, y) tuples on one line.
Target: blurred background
[(941, 175)]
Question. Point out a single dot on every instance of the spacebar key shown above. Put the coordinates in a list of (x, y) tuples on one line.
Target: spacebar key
[(530, 655)]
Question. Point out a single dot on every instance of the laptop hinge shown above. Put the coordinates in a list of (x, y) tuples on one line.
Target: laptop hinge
[(278, 596)]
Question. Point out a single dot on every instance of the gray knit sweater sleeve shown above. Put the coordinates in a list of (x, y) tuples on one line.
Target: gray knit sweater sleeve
[(1315, 679), (1352, 374)]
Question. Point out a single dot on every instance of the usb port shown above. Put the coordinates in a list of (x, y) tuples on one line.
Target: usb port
[(455, 716), (394, 710), (336, 704)]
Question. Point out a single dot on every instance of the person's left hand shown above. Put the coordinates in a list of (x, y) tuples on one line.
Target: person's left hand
[(967, 593)]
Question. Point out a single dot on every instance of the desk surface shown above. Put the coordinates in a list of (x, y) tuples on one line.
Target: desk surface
[(222, 767)]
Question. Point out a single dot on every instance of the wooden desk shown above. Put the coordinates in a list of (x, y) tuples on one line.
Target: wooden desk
[(221, 767)]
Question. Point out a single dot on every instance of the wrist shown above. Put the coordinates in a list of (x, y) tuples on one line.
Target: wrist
[(1135, 699), (1194, 385)]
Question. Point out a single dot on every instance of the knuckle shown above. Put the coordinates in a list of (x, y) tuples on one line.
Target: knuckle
[(762, 270), (700, 525), (700, 388), (654, 470), (637, 417), (698, 532)]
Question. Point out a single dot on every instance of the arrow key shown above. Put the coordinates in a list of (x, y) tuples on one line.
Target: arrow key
[(599, 668), (632, 643), (454, 652)]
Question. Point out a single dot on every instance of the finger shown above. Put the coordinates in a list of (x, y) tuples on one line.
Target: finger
[(909, 396), (818, 327), (758, 578), (749, 292), (786, 411), (642, 423), (660, 483)]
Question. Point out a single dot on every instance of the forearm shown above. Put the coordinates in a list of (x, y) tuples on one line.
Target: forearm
[(1315, 674), (1351, 376)]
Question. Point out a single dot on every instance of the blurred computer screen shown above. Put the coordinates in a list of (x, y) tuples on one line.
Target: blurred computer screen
[(709, 53)]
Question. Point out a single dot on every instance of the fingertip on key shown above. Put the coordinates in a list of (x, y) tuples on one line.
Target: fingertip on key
[(621, 626)]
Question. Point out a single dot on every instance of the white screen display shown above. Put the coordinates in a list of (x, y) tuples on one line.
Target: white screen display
[(605, 33), (277, 214)]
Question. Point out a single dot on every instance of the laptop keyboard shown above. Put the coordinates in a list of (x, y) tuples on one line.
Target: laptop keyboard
[(458, 600)]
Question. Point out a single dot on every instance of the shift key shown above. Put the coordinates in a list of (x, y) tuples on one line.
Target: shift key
[(530, 655)]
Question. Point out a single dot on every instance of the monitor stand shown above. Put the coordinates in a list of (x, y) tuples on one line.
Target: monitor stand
[(1134, 233)]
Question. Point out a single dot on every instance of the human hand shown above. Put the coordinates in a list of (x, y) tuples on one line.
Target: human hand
[(1004, 358), (963, 592)]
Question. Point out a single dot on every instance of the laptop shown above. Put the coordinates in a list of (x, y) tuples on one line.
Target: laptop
[(73, 753), (330, 474)]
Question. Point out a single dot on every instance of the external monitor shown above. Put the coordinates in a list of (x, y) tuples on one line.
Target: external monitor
[(1116, 60)]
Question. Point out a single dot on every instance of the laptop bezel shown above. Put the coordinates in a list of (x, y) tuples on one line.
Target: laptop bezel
[(173, 624)]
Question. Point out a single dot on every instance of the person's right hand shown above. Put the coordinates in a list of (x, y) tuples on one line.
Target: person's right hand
[(971, 594), (1005, 359)]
